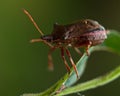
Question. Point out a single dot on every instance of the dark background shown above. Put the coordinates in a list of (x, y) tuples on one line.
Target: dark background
[(23, 66)]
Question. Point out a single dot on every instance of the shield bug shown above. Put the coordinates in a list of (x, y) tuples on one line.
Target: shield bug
[(84, 33)]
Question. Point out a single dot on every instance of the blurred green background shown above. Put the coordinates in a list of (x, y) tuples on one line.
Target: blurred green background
[(23, 66)]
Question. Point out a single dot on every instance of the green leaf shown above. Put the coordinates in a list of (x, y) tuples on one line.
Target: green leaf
[(99, 81), (112, 45)]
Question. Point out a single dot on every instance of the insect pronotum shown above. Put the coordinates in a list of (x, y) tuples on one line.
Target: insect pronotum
[(84, 33)]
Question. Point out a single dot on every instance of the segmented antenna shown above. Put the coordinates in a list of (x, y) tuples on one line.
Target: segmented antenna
[(30, 17), (40, 40), (36, 26)]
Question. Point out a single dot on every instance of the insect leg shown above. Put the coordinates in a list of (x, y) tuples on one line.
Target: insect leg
[(88, 46), (78, 51), (72, 62), (50, 61), (65, 62)]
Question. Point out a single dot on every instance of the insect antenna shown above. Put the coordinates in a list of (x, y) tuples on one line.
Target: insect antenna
[(31, 18), (40, 40), (36, 26)]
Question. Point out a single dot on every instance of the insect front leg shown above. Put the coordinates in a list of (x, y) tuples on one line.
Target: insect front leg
[(50, 61), (72, 62), (65, 62)]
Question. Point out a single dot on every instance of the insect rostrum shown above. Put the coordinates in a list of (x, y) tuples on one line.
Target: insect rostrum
[(84, 33)]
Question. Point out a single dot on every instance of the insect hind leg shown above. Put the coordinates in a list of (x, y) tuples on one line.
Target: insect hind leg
[(87, 47)]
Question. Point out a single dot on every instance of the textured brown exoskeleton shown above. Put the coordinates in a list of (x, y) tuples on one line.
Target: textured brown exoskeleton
[(85, 33)]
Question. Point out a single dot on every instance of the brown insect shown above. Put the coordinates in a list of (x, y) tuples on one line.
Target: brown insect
[(85, 33)]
